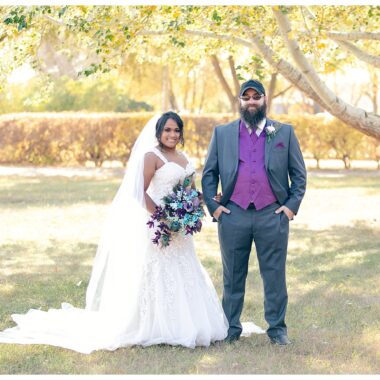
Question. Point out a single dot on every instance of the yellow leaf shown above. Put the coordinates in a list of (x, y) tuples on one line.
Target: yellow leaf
[(176, 13), (291, 35)]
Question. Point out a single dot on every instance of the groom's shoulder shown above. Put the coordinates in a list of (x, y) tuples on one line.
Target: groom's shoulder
[(223, 127), (285, 127)]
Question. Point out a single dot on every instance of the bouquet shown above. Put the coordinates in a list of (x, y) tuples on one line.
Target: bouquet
[(181, 212)]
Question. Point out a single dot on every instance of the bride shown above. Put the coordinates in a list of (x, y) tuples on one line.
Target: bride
[(139, 293)]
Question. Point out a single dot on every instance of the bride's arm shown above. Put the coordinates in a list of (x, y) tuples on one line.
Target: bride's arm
[(149, 170)]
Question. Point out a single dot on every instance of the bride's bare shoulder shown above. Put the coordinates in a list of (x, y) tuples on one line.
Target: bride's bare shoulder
[(150, 158), (153, 161)]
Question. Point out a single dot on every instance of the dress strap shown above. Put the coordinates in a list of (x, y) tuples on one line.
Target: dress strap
[(186, 156), (159, 154)]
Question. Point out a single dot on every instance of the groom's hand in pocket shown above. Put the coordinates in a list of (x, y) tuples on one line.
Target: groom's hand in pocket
[(219, 211), (287, 211)]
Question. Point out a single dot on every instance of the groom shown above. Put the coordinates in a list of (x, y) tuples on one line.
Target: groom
[(253, 157)]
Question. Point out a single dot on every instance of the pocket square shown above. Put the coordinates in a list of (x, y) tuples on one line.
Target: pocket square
[(280, 145)]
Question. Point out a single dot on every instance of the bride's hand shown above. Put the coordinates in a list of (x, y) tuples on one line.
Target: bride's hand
[(217, 197)]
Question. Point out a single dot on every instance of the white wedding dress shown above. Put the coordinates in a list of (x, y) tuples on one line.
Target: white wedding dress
[(138, 294), (177, 303)]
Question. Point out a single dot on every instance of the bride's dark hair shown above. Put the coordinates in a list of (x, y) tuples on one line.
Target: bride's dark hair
[(161, 124)]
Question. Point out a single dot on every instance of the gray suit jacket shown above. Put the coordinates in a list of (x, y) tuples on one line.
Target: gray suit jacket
[(283, 160)]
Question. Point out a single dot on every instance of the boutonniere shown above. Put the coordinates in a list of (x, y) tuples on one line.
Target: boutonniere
[(270, 131)]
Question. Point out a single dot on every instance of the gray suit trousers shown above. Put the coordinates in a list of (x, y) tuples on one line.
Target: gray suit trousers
[(269, 231)]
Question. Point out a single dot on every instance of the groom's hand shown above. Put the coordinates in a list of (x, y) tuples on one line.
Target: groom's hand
[(288, 212), (219, 210), (217, 197)]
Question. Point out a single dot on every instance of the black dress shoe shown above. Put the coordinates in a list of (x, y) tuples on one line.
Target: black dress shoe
[(231, 338), (280, 340)]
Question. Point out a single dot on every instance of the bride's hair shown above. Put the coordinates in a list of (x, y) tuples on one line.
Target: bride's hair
[(161, 124)]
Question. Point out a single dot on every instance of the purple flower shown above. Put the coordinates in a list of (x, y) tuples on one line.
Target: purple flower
[(188, 206), (180, 212), (163, 226)]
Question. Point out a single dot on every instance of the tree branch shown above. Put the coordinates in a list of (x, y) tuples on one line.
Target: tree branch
[(199, 33), (282, 92), (287, 70), (367, 123), (354, 36), (360, 54), (354, 116), (54, 21)]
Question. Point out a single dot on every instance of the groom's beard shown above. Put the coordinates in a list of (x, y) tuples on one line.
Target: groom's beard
[(252, 118)]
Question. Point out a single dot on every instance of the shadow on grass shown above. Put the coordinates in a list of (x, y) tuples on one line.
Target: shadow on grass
[(43, 277), (336, 297), (366, 179), (332, 314), (21, 192)]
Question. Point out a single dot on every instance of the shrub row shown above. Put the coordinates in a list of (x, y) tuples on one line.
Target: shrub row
[(73, 138)]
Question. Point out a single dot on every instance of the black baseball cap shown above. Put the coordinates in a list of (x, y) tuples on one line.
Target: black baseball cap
[(254, 84)]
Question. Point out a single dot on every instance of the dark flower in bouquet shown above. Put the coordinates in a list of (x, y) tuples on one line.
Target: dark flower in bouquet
[(181, 212)]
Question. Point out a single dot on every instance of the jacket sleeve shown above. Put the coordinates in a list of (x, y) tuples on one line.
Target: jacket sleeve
[(297, 174), (210, 177)]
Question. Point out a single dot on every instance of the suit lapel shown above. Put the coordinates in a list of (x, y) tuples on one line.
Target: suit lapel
[(235, 128), (269, 144)]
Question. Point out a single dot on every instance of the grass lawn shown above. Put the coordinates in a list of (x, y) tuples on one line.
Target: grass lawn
[(49, 229)]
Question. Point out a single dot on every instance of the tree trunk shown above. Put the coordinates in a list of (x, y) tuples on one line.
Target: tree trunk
[(235, 80), (187, 90), (234, 75), (223, 82), (270, 93), (192, 108), (346, 161), (165, 88), (316, 107), (202, 98), (375, 89), (172, 98)]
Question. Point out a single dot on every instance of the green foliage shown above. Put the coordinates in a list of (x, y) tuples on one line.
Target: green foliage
[(18, 18), (93, 95), (115, 29)]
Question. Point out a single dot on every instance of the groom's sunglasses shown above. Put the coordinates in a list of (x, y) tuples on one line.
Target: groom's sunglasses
[(245, 98)]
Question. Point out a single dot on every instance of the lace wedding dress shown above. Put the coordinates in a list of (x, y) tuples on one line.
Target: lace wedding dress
[(176, 301)]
